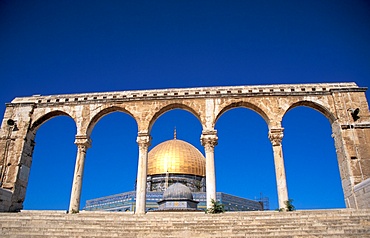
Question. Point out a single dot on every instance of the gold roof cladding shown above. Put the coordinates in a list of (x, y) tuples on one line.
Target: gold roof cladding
[(176, 156)]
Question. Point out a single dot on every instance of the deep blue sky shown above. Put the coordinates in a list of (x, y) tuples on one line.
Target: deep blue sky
[(59, 47)]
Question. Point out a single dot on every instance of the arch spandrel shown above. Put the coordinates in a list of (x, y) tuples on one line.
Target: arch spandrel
[(195, 107), (98, 112), (42, 116), (323, 106), (260, 106)]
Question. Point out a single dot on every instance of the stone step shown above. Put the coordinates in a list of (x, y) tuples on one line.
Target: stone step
[(320, 223)]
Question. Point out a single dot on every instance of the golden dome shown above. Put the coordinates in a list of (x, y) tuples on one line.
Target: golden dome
[(176, 156)]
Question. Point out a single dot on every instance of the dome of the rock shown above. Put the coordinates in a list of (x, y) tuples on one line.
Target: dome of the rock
[(176, 157)]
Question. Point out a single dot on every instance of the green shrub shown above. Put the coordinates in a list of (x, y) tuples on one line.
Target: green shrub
[(215, 208), (288, 206)]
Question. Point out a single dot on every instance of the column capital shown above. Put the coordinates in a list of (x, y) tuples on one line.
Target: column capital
[(276, 136), (83, 142), (209, 139), (143, 139)]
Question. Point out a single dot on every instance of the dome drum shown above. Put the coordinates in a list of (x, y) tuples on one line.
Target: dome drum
[(160, 182)]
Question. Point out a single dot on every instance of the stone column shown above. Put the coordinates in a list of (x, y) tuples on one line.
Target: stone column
[(276, 136), (143, 141), (83, 143), (209, 141)]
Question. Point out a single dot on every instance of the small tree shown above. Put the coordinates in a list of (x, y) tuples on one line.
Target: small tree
[(215, 208), (288, 206)]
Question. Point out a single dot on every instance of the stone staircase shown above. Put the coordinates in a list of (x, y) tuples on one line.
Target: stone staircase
[(307, 223)]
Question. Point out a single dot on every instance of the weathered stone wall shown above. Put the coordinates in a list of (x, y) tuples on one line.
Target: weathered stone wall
[(344, 104), (362, 193), (5, 199)]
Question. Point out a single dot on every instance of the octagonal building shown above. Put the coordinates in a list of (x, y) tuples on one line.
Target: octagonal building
[(176, 161), (173, 162)]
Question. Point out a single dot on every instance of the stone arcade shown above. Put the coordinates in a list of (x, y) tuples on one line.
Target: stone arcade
[(344, 105)]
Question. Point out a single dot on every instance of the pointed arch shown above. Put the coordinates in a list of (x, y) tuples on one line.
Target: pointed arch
[(244, 148), (247, 105), (308, 143), (50, 145), (170, 107), (103, 113), (112, 158), (45, 117), (316, 106)]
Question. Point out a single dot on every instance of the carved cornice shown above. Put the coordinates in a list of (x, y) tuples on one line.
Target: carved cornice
[(276, 136), (353, 89), (176, 93), (355, 126)]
